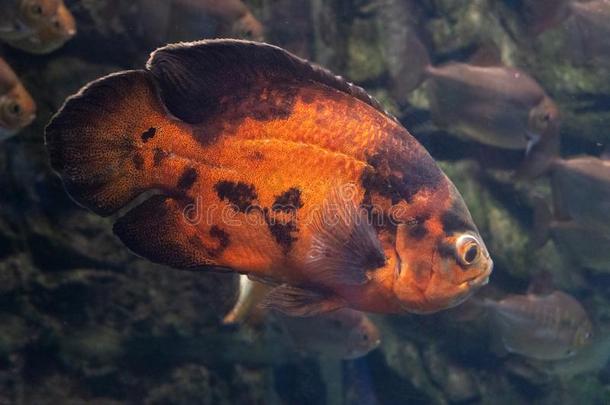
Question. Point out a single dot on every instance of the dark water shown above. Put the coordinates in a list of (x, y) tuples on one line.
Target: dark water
[(83, 320)]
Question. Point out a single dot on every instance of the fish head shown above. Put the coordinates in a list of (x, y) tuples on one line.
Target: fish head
[(582, 335), (362, 339), (63, 25), (442, 264), (543, 122), (17, 109), (37, 13), (50, 36)]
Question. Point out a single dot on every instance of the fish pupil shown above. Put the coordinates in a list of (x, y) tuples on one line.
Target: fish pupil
[(16, 109), (471, 254)]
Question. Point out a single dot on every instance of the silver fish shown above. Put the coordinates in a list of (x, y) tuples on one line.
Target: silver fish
[(588, 29), (543, 327), (581, 191), (342, 334), (490, 103), (587, 247)]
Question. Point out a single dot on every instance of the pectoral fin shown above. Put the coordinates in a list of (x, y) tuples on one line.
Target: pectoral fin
[(345, 245), (294, 301)]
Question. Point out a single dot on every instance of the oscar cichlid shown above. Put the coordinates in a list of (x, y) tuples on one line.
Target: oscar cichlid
[(267, 165)]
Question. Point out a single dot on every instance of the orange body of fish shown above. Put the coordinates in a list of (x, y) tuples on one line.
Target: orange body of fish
[(269, 166)]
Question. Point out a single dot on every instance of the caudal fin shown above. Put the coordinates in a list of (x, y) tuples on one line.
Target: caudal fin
[(95, 140)]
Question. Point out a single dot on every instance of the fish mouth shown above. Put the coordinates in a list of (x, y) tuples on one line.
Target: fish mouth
[(480, 280)]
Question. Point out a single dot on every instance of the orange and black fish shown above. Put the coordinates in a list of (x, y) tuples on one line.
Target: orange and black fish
[(17, 109), (269, 166), (50, 35)]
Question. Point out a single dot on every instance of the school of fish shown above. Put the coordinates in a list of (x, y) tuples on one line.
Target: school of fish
[(366, 221)]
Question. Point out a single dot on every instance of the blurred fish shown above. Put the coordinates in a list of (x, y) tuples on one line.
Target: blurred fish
[(232, 124), (345, 334), (49, 36), (17, 109), (492, 104), (543, 327), (542, 15), (588, 29), (21, 18), (581, 191), (586, 246), (592, 358), (234, 13), (398, 22)]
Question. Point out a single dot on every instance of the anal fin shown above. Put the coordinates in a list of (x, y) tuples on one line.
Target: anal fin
[(158, 230), (295, 301)]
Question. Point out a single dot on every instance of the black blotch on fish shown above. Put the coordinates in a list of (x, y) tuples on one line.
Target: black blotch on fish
[(446, 250), (282, 233), (148, 134), (418, 229), (240, 194), (288, 201), (138, 161), (187, 179), (418, 172), (223, 240), (158, 156), (454, 220)]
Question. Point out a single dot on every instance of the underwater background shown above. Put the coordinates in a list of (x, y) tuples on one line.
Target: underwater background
[(83, 320)]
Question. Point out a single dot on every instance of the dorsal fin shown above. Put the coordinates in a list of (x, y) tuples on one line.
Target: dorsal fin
[(192, 77)]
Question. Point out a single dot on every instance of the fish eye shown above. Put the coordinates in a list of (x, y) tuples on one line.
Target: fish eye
[(469, 249), (14, 109), (365, 337), (36, 9)]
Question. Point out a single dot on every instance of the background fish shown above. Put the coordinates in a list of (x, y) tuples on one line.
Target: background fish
[(585, 246), (49, 36), (543, 327), (542, 15), (17, 108), (343, 334), (233, 13), (581, 191), (263, 115), (588, 29), (490, 103), (20, 18), (593, 357)]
